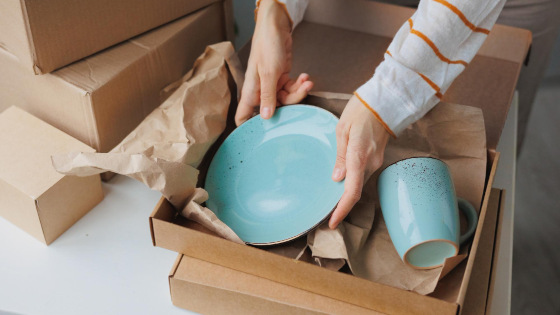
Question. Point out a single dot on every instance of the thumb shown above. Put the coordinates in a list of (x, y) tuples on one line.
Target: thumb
[(339, 171)]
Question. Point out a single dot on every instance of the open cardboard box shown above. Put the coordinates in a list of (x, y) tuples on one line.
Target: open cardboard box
[(47, 35), (192, 281), (357, 33)]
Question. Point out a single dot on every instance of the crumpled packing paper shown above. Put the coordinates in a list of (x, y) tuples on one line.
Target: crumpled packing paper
[(164, 151)]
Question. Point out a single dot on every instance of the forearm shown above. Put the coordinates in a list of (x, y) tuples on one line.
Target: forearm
[(428, 52)]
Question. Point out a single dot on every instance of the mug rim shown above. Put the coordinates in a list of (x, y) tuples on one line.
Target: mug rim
[(405, 260)]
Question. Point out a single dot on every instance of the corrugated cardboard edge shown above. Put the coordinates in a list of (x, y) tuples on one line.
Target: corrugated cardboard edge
[(44, 239), (492, 282), (476, 297), (172, 273), (245, 293), (157, 215), (480, 226), (33, 54)]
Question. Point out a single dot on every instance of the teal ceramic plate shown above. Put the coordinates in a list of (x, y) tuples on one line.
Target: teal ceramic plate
[(270, 181)]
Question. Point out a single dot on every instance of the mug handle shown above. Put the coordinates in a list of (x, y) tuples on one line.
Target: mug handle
[(472, 219)]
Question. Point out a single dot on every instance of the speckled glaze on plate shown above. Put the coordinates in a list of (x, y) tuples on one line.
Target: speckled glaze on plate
[(270, 181)]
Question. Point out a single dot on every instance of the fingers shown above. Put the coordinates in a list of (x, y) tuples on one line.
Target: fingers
[(269, 81), (294, 91), (339, 171), (356, 163), (249, 97), (297, 96), (273, 90), (293, 85)]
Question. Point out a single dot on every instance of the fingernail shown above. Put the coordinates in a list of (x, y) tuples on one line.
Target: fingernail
[(265, 113), (337, 174)]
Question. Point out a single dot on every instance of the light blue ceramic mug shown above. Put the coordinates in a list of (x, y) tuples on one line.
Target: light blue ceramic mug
[(421, 211)]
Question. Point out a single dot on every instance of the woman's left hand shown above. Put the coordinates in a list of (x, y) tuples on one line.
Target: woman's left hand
[(361, 141)]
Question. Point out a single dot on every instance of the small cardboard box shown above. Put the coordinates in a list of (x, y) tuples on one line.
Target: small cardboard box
[(33, 196), (47, 35), (208, 288), (357, 33), (101, 99)]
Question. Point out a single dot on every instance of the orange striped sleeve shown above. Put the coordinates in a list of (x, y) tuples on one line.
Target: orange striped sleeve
[(463, 18), (376, 115), (433, 46), (432, 84)]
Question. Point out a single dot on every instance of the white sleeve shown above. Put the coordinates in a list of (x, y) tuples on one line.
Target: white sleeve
[(294, 8), (428, 52)]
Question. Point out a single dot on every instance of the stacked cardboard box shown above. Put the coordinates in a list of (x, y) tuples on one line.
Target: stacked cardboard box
[(354, 33), (33, 195), (101, 98), (47, 35), (93, 69)]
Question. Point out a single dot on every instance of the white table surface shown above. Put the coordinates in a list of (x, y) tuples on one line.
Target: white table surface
[(104, 264)]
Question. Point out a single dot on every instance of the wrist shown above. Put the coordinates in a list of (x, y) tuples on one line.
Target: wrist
[(273, 12), (379, 122)]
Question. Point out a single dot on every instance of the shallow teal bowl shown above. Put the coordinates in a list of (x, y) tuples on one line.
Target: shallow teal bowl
[(270, 181)]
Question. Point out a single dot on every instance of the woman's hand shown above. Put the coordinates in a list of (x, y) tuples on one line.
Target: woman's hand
[(361, 141), (267, 81)]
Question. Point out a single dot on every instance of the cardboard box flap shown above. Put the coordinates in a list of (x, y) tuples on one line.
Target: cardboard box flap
[(220, 278), (95, 71), (341, 43), (26, 145)]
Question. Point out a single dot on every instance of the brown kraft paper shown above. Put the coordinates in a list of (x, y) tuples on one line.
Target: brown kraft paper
[(164, 151)]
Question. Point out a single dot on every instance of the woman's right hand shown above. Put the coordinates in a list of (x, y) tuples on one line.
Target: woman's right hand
[(267, 81)]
